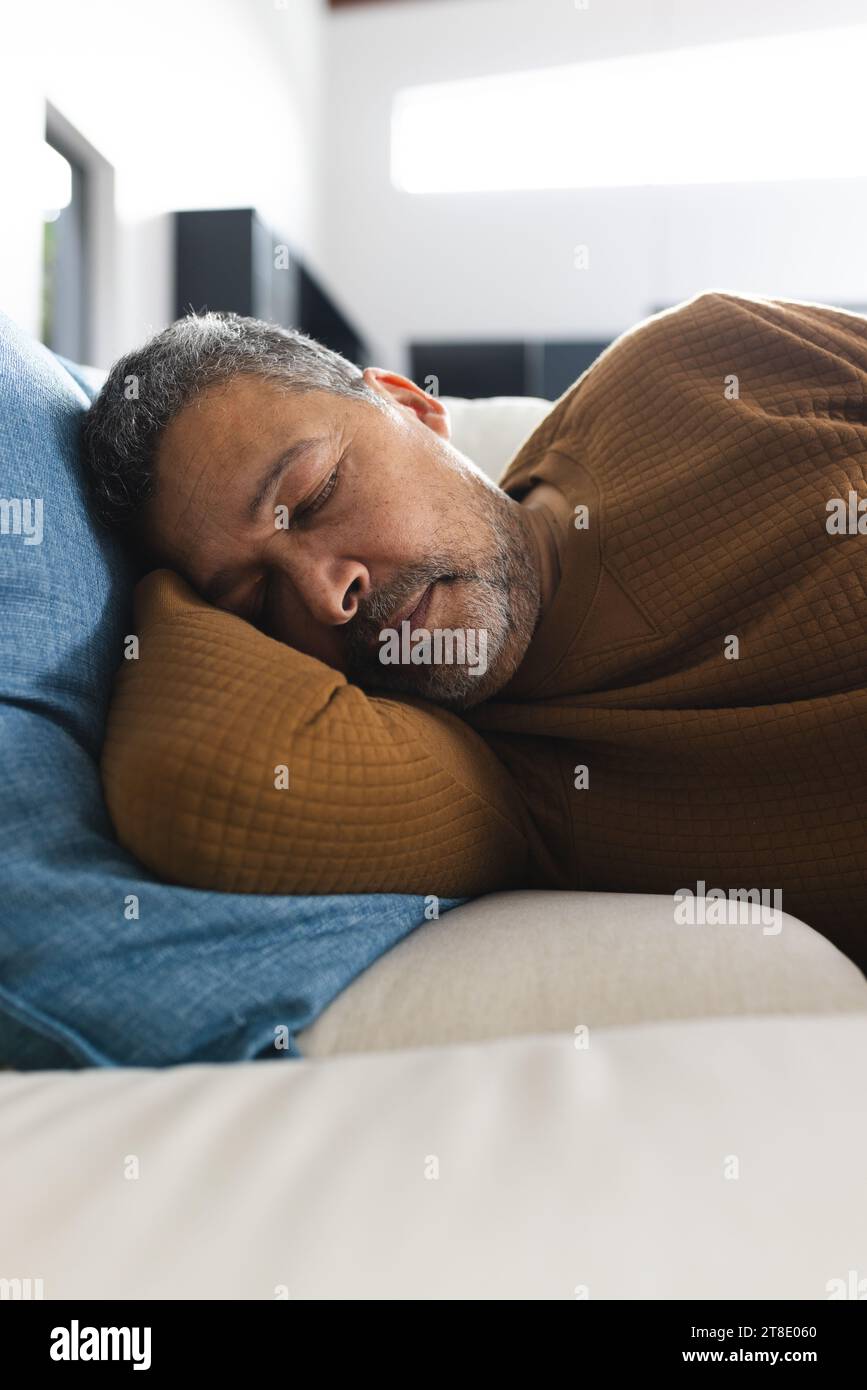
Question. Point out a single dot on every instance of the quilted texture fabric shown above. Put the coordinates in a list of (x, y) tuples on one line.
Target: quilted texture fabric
[(705, 445), (99, 963), (233, 762)]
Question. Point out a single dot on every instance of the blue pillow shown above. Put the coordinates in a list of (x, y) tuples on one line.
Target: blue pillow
[(100, 964)]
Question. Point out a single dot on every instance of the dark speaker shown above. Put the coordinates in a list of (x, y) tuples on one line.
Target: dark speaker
[(470, 369), (545, 369), (223, 261), (228, 259), (563, 363)]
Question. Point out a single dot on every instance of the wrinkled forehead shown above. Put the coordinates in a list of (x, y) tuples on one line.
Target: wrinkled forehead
[(239, 418)]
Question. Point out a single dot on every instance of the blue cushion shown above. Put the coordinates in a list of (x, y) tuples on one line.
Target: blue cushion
[(195, 977)]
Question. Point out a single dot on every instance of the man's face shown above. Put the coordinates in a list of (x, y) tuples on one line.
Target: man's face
[(326, 521)]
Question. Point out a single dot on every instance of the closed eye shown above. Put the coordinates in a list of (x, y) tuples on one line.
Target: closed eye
[(303, 513), (257, 609)]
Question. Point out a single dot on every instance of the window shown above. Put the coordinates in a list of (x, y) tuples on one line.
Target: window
[(780, 108), (64, 266), (79, 301)]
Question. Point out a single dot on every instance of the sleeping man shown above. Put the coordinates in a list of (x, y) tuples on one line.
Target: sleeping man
[(639, 663)]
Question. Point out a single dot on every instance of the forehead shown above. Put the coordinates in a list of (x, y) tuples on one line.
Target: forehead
[(240, 417)]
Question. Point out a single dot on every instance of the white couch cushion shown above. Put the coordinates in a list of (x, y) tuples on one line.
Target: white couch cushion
[(491, 430), (531, 962), (611, 1168)]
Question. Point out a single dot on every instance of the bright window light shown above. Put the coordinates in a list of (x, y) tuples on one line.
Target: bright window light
[(55, 181), (770, 109)]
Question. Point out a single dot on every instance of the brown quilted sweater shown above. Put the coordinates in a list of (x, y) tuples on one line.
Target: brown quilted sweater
[(706, 521), (704, 658)]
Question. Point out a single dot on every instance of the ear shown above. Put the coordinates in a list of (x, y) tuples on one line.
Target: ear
[(403, 392)]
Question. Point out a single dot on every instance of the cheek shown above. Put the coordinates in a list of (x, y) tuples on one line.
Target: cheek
[(416, 506), (390, 514)]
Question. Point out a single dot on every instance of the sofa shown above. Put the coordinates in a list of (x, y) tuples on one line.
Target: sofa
[(532, 1095)]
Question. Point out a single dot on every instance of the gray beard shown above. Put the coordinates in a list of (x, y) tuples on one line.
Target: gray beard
[(504, 602)]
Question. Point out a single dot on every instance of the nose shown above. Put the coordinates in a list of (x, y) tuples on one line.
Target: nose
[(331, 588)]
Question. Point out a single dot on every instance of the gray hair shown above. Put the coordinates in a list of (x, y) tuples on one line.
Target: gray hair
[(147, 388)]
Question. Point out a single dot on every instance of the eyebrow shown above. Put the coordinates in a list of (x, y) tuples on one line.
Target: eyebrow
[(276, 470)]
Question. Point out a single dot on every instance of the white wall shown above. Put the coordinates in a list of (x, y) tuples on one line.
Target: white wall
[(501, 264), (287, 107), (196, 103)]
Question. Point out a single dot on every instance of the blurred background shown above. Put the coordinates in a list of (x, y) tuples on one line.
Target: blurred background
[(479, 193)]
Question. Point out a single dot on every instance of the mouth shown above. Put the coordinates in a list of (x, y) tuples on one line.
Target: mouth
[(416, 610)]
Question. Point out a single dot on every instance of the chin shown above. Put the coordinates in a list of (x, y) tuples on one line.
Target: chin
[(458, 686), (466, 692), (482, 688)]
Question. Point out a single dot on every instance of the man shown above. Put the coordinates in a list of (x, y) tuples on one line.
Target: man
[(267, 470), (670, 582)]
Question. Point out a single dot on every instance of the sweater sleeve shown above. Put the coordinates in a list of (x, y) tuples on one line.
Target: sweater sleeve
[(233, 762)]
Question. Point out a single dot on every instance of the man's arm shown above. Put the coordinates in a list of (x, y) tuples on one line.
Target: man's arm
[(233, 762)]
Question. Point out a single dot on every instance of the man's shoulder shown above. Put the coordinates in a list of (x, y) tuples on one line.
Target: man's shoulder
[(560, 425), (653, 368)]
